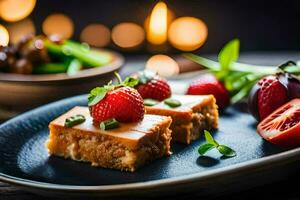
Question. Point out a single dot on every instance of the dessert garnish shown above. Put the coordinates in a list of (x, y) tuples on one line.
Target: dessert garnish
[(152, 86), (282, 127), (209, 84), (150, 102), (211, 143), (109, 124), (172, 102), (119, 101), (238, 78), (271, 92), (267, 95), (74, 120)]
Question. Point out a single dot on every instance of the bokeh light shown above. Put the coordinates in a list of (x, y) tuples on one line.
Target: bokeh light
[(187, 33), (20, 29), (58, 24), (4, 36), (158, 24), (164, 65), (15, 10), (128, 35), (96, 35)]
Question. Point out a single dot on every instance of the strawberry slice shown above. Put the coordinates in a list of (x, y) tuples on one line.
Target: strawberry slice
[(282, 127)]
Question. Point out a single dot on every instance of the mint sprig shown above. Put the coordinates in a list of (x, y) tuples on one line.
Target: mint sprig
[(98, 93), (239, 78), (228, 54), (211, 143)]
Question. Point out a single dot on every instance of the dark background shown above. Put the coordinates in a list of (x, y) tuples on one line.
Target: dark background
[(260, 25)]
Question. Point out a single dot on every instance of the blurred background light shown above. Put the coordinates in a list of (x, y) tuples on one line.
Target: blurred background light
[(96, 35), (58, 24), (4, 37), (158, 24), (20, 29), (15, 10), (187, 33), (128, 35), (164, 65)]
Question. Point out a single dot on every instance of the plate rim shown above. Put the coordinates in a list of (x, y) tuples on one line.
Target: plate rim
[(288, 155)]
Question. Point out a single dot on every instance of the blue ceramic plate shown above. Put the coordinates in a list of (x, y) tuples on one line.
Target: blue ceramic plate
[(25, 161)]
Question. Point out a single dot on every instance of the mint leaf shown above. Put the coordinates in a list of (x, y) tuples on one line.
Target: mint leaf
[(205, 148), (96, 95), (226, 151), (212, 143), (130, 82), (209, 138), (229, 54)]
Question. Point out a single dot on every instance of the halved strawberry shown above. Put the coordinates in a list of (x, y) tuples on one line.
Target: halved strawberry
[(282, 126)]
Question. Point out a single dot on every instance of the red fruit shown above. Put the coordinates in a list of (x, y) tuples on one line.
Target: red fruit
[(208, 84), (152, 86), (266, 96), (124, 104), (282, 126)]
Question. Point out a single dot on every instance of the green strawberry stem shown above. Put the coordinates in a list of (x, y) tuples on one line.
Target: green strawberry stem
[(118, 77)]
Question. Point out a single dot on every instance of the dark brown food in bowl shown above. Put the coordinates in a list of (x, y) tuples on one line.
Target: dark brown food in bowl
[(20, 92), (21, 66)]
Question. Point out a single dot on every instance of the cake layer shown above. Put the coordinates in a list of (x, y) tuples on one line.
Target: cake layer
[(132, 135), (126, 148), (196, 113)]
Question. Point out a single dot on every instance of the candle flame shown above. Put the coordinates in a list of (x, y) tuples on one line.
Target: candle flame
[(4, 37), (157, 33)]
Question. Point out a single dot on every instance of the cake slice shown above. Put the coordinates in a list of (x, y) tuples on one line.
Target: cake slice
[(195, 114), (127, 147)]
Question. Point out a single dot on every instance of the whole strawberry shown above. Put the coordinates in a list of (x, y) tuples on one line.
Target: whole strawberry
[(120, 102), (152, 86), (267, 95), (208, 84)]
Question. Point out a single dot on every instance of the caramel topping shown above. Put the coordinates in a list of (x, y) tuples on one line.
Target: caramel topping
[(128, 133)]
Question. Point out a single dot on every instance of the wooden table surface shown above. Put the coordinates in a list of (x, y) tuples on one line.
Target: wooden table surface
[(285, 189)]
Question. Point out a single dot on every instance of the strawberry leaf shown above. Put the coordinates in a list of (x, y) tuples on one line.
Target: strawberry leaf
[(130, 82), (96, 95)]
